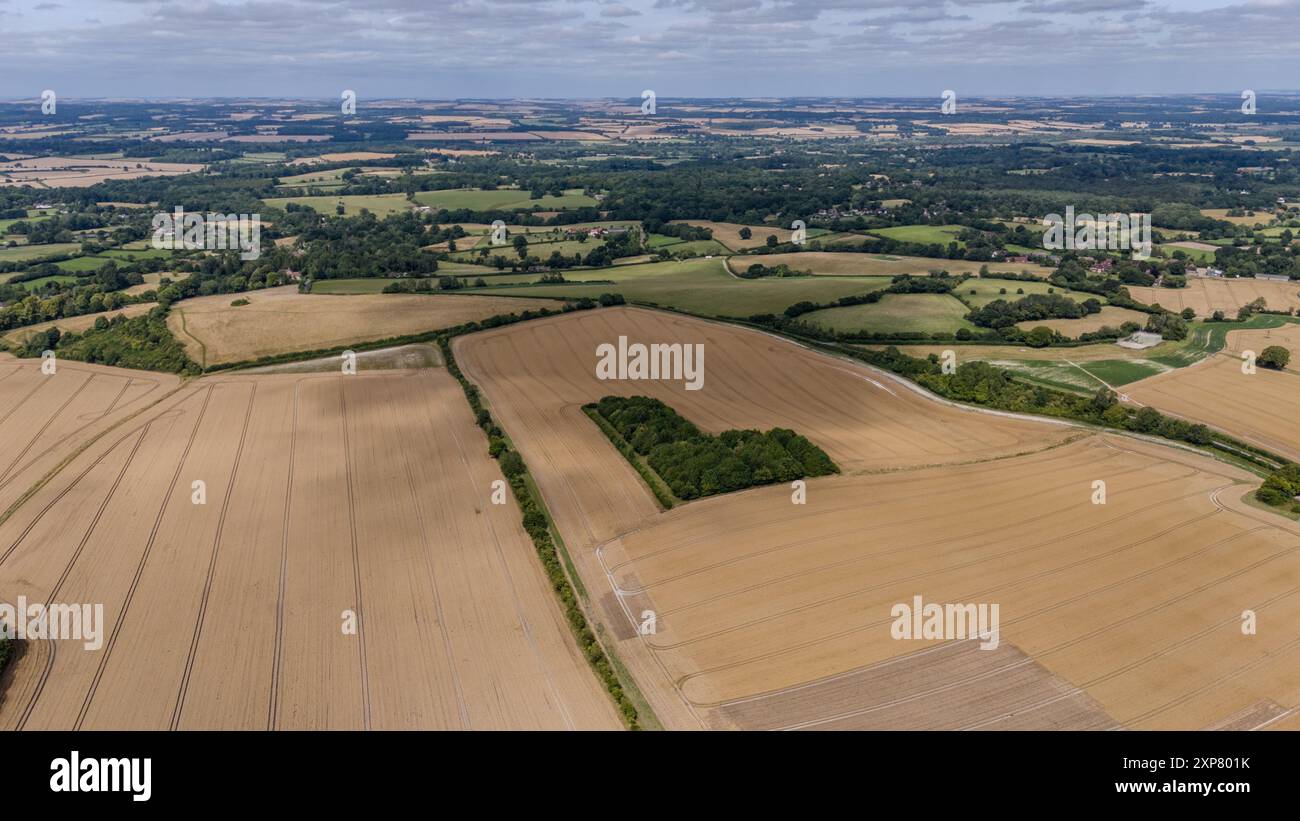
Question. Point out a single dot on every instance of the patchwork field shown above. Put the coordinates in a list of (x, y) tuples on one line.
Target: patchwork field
[(773, 615), (1109, 316), (501, 198), (700, 286), (830, 263), (81, 172), (894, 313), (331, 501), (281, 320), (1205, 295), (728, 233), (46, 418), (381, 205), (1259, 408)]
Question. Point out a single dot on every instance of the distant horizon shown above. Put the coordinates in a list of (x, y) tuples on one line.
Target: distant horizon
[(660, 96), (598, 49)]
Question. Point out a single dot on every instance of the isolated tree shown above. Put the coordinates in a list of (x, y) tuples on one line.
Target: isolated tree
[(521, 245), (745, 233), (1275, 357)]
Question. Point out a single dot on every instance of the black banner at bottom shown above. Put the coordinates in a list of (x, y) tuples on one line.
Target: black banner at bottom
[(141, 772)]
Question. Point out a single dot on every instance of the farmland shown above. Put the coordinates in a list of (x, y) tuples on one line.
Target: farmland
[(380, 204), (364, 496), (281, 320), (926, 313), (828, 263), (1109, 316), (504, 199), (777, 616), (1258, 408), (700, 286), (1205, 295)]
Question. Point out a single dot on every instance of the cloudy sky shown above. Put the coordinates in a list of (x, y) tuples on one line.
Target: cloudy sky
[(616, 48)]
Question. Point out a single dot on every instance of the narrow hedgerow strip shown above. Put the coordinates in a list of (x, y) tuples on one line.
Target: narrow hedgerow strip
[(537, 524), (652, 479)]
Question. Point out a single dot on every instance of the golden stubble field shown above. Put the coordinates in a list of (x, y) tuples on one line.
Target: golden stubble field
[(329, 498), (44, 419), (776, 615), (1205, 295), (839, 263), (280, 320), (1260, 407)]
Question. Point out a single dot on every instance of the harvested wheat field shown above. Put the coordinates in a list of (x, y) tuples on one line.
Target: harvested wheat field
[(281, 320), (536, 376), (833, 263), (44, 419), (327, 497), (728, 233), (1259, 408), (1205, 295), (1108, 316), (774, 615)]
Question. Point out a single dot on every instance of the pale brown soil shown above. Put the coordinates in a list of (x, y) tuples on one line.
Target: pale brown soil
[(325, 494), (1205, 295), (1119, 614), (281, 320), (1259, 408)]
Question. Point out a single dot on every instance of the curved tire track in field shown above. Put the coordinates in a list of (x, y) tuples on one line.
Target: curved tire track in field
[(44, 676), (911, 697), (49, 420), (947, 567), (683, 680), (144, 558)]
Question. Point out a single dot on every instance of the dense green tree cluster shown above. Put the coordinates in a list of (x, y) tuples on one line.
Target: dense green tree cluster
[(695, 464), (141, 342), (1281, 487), (1001, 314)]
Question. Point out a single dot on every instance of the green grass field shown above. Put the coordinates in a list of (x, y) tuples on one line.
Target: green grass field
[(539, 247), (926, 313), (34, 284), (4, 224), (82, 265), (24, 253), (380, 205), (990, 290), (504, 199), (700, 286), (941, 234), (137, 253), (1194, 254)]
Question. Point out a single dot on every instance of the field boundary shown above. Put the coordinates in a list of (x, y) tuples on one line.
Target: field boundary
[(654, 482), (632, 706)]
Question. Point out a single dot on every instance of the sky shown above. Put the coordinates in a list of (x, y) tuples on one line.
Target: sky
[(438, 49)]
